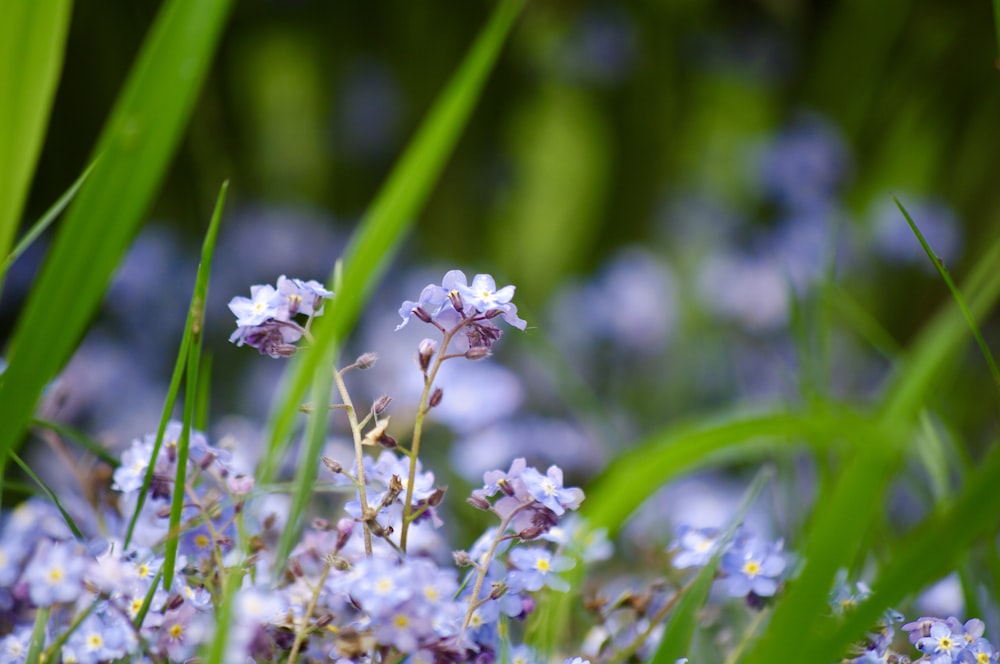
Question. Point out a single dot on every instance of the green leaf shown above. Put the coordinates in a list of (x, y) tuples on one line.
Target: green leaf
[(135, 148), (32, 41), (390, 216)]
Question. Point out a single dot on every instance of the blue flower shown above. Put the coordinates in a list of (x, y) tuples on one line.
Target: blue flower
[(262, 305), (535, 567), (548, 489), (753, 566), (941, 644), (694, 546)]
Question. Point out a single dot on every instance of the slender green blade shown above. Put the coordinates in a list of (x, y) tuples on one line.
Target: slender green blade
[(680, 628), (32, 42), (135, 148), (192, 399), (391, 214), (85, 441), (636, 474), (50, 494), (44, 222), (955, 293)]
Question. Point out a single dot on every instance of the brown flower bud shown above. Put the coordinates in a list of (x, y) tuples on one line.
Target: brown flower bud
[(366, 361), (333, 465), (478, 502), (478, 353), (381, 404), (436, 397)]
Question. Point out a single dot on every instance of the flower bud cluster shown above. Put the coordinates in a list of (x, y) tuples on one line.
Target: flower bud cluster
[(267, 319)]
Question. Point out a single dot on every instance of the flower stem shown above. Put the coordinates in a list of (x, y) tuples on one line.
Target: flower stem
[(352, 417)]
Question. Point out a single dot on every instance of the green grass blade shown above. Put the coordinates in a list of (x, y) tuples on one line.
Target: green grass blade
[(391, 214), (50, 494), (939, 341), (204, 267), (135, 149), (955, 292), (32, 43), (195, 329), (81, 438), (44, 222), (636, 474), (37, 643), (680, 629)]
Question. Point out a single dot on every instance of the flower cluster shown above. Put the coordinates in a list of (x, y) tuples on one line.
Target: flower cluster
[(267, 319), (750, 566), (456, 304), (106, 601)]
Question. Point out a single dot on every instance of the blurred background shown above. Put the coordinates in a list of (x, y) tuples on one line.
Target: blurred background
[(693, 199)]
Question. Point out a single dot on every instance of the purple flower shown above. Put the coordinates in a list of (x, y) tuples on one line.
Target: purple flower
[(535, 568), (753, 566), (694, 546), (548, 489), (262, 305), (55, 573), (483, 296), (941, 644), (300, 297)]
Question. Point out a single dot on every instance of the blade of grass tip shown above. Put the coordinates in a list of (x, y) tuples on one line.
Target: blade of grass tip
[(135, 148), (196, 321), (38, 636), (391, 214), (204, 265), (85, 441), (50, 493), (939, 340), (676, 640), (32, 46), (955, 292), (44, 221)]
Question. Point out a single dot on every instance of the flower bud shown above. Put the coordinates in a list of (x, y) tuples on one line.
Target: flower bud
[(381, 404), (436, 397), (333, 465), (366, 361), (425, 351), (478, 502), (421, 313), (477, 353), (462, 558)]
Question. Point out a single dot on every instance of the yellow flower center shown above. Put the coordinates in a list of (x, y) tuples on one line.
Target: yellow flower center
[(751, 568)]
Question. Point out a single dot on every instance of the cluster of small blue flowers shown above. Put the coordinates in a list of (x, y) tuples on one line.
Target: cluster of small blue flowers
[(940, 641), (106, 601), (750, 566), (456, 304), (266, 320)]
